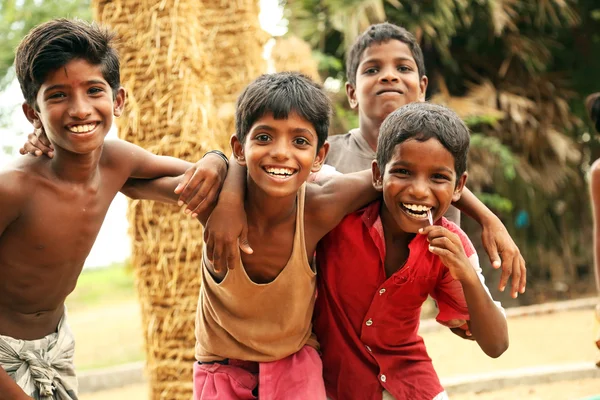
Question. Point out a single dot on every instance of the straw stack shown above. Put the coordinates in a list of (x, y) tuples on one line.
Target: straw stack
[(168, 111), (235, 42), (294, 54)]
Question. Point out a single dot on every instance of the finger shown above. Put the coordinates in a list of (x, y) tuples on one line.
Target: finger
[(184, 181), (523, 274), (39, 145), (231, 254), (507, 270), (204, 196), (28, 148), (440, 251), (43, 138), (492, 251), (516, 278), (244, 244), (210, 245)]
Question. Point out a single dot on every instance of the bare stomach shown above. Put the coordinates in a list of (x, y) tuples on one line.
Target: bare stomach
[(29, 326)]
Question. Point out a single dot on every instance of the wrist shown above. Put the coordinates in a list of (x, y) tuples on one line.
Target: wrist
[(218, 153)]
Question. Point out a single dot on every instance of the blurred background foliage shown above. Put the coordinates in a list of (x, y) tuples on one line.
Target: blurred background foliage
[(517, 71)]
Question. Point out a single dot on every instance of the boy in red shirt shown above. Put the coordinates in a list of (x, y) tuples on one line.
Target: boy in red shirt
[(379, 264)]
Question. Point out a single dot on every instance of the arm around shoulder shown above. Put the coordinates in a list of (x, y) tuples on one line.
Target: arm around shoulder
[(339, 196)]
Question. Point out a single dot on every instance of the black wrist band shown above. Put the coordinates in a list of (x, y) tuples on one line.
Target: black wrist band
[(220, 154)]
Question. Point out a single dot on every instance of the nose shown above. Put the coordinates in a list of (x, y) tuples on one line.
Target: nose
[(419, 189), (80, 107), (280, 150), (389, 74)]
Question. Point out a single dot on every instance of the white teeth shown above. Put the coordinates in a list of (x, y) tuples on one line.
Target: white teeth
[(416, 207), (82, 128), (280, 171)]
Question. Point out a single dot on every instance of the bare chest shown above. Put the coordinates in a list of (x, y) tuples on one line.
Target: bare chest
[(56, 226)]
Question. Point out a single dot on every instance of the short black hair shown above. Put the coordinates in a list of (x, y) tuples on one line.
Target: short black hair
[(423, 121), (282, 93), (53, 44), (592, 105), (380, 33)]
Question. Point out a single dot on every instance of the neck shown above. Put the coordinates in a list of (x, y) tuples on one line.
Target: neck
[(391, 230), (267, 210), (370, 131), (75, 168)]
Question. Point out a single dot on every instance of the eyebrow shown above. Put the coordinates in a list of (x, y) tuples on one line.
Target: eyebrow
[(294, 130), (407, 164), (375, 59), (87, 83)]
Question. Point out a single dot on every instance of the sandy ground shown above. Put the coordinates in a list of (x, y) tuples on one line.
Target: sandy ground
[(552, 339)]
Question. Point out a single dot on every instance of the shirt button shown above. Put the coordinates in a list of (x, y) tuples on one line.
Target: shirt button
[(368, 349), (383, 378), (369, 322), (381, 291)]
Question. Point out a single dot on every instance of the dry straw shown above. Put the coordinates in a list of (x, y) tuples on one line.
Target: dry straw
[(165, 59), (235, 42), (294, 54)]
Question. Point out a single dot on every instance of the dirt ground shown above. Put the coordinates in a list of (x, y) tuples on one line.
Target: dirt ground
[(552, 339)]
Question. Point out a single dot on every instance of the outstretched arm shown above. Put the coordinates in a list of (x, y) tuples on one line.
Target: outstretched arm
[(500, 247), (198, 187)]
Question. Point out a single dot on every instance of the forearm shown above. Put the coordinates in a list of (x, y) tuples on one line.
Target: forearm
[(9, 390), (595, 200), (473, 207), (160, 189), (487, 323)]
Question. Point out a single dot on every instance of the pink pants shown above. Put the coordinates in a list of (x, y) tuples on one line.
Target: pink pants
[(297, 377)]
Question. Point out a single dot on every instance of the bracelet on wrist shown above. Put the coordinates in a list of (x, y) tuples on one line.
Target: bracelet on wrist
[(220, 154)]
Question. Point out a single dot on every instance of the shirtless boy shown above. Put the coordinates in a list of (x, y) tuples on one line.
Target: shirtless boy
[(51, 209)]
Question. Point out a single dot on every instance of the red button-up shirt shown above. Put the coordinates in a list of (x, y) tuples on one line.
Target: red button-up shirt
[(367, 323)]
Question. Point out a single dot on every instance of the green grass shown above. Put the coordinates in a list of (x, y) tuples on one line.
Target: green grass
[(102, 286)]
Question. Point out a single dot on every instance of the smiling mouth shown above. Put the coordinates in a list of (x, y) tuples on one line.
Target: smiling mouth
[(279, 172), (82, 128), (416, 210), (389, 91)]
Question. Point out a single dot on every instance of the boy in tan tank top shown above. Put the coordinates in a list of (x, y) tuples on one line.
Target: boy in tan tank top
[(253, 325)]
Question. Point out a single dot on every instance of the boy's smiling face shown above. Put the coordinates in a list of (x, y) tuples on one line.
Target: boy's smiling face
[(420, 176), (386, 79), (280, 153), (76, 107)]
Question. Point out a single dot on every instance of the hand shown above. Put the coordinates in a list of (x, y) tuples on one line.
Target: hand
[(226, 229), (449, 248), (201, 184), (463, 331), (37, 144), (503, 251)]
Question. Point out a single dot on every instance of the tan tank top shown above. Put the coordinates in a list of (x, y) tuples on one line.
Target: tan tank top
[(243, 320)]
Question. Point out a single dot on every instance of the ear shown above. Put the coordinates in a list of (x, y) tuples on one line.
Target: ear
[(320, 158), (460, 185), (423, 87), (377, 176), (237, 149), (32, 115), (119, 103), (351, 93)]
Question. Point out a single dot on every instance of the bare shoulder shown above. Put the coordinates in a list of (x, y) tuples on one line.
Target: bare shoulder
[(17, 185), (315, 203), (119, 150)]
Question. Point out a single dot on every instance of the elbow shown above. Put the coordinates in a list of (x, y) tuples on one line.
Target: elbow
[(498, 348)]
